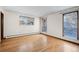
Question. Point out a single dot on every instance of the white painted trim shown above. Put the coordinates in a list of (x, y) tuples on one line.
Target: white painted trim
[(63, 38), (11, 36)]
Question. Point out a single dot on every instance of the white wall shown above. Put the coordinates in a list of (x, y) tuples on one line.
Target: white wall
[(0, 23), (54, 25), (12, 26)]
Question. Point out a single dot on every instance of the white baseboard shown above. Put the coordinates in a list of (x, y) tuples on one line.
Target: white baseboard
[(11, 36), (63, 38), (51, 35)]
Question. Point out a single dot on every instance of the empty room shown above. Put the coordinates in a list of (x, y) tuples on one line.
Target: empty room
[(39, 29)]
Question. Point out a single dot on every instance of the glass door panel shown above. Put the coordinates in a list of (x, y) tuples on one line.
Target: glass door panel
[(70, 25)]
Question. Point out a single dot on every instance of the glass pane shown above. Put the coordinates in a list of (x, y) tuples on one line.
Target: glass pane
[(70, 25), (44, 25), (24, 20)]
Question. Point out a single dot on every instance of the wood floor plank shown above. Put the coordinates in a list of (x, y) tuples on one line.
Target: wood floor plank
[(37, 43)]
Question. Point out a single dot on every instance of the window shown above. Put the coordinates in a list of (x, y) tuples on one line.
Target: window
[(44, 24), (24, 20), (70, 25)]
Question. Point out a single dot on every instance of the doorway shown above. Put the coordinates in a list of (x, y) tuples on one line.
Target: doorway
[(1, 26)]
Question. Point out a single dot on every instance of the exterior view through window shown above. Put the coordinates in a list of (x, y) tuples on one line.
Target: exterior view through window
[(70, 25)]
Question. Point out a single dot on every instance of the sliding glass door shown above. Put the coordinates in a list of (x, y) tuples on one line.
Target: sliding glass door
[(70, 25)]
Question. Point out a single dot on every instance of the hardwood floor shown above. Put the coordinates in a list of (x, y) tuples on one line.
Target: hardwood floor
[(39, 42)]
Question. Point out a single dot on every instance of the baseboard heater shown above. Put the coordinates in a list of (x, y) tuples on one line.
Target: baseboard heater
[(11, 36)]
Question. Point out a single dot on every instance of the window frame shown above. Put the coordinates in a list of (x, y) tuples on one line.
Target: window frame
[(63, 21)]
